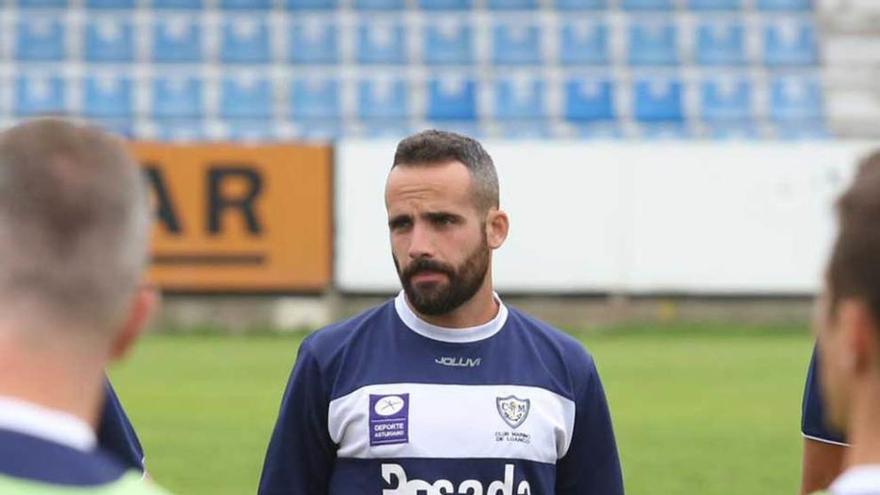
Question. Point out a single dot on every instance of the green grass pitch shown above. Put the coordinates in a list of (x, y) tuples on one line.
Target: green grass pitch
[(699, 409)]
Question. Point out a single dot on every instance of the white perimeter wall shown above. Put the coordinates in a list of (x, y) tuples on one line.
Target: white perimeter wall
[(626, 217)]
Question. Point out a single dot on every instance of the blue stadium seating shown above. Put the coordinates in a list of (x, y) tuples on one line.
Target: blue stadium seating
[(311, 4), (383, 99), (445, 4), (729, 131), (250, 130), (110, 4), (658, 99), (452, 98), (598, 131), (177, 39), (721, 43), (178, 4), (42, 4), (516, 43), (177, 97), (39, 94), (313, 41), (109, 40), (789, 5), (108, 96), (566, 5), (794, 98), (584, 42), (589, 99), (790, 43), (246, 4), (180, 130), (512, 4), (379, 4), (40, 38), (381, 42), (448, 42), (315, 98), (319, 130), (724, 99), (246, 96), (647, 4), (700, 5), (653, 43), (245, 40), (519, 98)]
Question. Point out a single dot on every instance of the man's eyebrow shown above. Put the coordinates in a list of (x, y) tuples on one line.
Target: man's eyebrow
[(396, 219), (439, 215)]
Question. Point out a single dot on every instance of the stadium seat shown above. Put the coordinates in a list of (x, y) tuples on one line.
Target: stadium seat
[(382, 98), (313, 41), (721, 43), (584, 42), (246, 4), (246, 96), (797, 5), (647, 4), (445, 4), (177, 39), (178, 4), (725, 99), (38, 94), (109, 40), (512, 4), (658, 99), (110, 4), (40, 38), (794, 98), (108, 96), (245, 40), (311, 4), (42, 4), (589, 100), (516, 43), (519, 98), (379, 4), (699, 5), (381, 42), (580, 4), (315, 98), (448, 42), (653, 42), (177, 97), (452, 98), (598, 131), (790, 42)]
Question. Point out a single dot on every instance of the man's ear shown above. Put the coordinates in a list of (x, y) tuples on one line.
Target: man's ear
[(143, 304), (497, 228), (860, 334)]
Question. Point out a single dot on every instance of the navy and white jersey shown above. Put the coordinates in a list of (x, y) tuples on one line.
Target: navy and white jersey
[(116, 435), (387, 404), (813, 424)]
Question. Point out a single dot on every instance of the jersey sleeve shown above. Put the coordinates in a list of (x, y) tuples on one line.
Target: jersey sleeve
[(300, 457), (116, 435), (812, 410), (591, 464)]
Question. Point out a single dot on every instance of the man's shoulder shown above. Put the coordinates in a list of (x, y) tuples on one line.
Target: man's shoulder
[(132, 483), (545, 335), (337, 336)]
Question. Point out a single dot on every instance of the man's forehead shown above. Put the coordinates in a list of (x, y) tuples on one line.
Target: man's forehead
[(429, 183)]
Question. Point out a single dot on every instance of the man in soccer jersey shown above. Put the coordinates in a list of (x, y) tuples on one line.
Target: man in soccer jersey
[(73, 232), (443, 389), (849, 333)]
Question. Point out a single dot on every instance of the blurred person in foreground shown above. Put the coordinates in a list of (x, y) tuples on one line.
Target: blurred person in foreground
[(849, 334), (73, 242), (444, 388)]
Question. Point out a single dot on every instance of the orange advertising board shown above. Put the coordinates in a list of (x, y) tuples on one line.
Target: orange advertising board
[(232, 218)]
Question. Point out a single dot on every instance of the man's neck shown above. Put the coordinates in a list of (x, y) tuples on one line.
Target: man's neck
[(478, 310), (55, 380), (863, 429)]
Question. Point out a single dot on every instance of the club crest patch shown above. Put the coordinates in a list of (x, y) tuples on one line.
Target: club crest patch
[(513, 410), (389, 419)]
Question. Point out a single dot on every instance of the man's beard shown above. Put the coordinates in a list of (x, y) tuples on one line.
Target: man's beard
[(442, 298)]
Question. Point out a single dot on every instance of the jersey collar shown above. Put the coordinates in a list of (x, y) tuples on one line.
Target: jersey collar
[(857, 479), (443, 334), (47, 424)]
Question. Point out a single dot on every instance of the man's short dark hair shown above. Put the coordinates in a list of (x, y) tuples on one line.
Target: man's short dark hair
[(854, 269), (436, 147)]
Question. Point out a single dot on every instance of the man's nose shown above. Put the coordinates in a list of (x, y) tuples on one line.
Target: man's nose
[(421, 243)]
